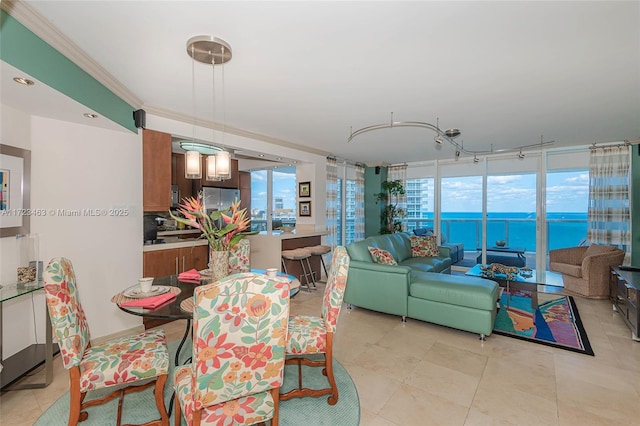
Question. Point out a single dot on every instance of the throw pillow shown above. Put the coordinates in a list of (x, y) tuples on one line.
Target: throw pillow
[(424, 246), (594, 249), (382, 256)]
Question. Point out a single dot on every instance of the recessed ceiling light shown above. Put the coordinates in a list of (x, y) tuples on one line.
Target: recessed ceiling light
[(90, 115), (279, 158), (24, 81), (260, 155), (295, 162)]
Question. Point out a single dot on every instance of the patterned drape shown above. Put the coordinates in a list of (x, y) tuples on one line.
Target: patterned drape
[(609, 215), (332, 201), (359, 233), (400, 173)]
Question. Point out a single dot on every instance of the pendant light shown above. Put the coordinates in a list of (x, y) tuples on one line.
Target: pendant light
[(192, 162), (213, 51)]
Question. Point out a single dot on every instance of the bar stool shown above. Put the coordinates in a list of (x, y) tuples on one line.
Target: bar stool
[(320, 250), (301, 255)]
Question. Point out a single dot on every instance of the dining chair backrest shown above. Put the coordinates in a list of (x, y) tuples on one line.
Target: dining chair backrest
[(239, 335), (67, 316), (334, 291)]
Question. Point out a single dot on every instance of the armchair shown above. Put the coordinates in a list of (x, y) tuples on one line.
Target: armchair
[(585, 270)]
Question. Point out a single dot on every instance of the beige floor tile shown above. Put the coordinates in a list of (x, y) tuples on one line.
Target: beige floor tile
[(444, 383), (393, 364), (374, 389), (599, 401), (511, 405), (411, 406), (456, 359)]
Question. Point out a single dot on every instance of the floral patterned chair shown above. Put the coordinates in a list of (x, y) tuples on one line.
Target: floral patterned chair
[(314, 335), (239, 332), (138, 362)]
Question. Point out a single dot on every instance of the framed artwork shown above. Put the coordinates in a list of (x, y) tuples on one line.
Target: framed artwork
[(15, 206), (304, 208), (304, 189)]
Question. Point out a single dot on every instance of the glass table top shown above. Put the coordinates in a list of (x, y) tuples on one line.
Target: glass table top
[(11, 291)]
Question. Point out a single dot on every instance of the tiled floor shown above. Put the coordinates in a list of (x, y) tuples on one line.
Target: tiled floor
[(423, 374)]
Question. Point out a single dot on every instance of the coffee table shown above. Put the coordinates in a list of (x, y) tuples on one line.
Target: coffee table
[(526, 282)]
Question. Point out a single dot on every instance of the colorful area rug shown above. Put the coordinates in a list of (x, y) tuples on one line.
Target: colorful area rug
[(140, 407), (555, 322)]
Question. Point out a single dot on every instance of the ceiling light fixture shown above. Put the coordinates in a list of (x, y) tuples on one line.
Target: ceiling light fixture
[(441, 135), (213, 51), (476, 159), (24, 81), (90, 115), (192, 162), (520, 155)]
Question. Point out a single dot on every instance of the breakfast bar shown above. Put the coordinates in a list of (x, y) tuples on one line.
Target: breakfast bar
[(266, 249)]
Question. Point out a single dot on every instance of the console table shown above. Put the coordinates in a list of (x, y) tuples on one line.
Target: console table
[(32, 356), (625, 296)]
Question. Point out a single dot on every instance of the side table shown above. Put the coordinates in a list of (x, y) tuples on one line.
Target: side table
[(32, 356)]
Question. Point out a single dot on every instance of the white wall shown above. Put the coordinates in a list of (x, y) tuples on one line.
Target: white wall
[(78, 167)]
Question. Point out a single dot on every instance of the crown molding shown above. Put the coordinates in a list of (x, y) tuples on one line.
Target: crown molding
[(40, 26), (172, 115)]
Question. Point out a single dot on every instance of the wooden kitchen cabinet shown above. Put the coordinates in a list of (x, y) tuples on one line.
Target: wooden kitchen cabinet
[(173, 261), (185, 186), (156, 171)]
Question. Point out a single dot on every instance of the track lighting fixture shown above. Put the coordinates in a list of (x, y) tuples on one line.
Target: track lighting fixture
[(475, 159), (520, 155)]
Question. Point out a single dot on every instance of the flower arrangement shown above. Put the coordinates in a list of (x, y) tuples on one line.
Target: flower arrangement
[(222, 228)]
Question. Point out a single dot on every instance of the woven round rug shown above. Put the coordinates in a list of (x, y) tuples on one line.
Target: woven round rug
[(140, 407)]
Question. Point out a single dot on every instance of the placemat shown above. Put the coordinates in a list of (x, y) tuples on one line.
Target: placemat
[(121, 298), (187, 304)]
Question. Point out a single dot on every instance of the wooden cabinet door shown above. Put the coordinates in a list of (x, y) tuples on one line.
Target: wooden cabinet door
[(194, 258), (156, 171), (185, 186), (160, 263)]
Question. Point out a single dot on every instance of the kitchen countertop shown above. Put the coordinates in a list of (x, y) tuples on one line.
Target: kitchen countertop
[(184, 242), (178, 232), (289, 235)]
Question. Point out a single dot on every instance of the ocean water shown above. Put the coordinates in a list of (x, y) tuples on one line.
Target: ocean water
[(517, 229)]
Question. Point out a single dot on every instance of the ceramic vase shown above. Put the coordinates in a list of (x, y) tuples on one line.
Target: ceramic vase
[(218, 263)]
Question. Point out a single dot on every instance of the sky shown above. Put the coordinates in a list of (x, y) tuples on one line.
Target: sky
[(566, 192), (284, 185)]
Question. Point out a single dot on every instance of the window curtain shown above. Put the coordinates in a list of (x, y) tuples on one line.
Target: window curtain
[(332, 201), (359, 204), (609, 219), (400, 173)]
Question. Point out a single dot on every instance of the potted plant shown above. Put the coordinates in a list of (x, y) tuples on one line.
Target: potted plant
[(222, 229), (391, 214)]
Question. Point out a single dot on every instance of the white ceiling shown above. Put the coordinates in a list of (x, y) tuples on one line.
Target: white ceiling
[(507, 74)]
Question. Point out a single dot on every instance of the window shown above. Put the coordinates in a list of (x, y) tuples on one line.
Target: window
[(279, 186), (567, 204), (461, 207), (420, 205)]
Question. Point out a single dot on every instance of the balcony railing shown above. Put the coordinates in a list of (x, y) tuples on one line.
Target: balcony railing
[(516, 232)]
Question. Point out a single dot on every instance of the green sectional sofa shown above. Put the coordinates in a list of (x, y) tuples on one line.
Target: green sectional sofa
[(419, 287)]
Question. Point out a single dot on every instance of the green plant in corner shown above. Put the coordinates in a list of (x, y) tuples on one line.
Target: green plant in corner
[(391, 214)]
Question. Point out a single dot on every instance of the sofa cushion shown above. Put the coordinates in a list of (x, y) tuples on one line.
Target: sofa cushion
[(424, 246), (460, 290), (427, 264), (382, 256), (566, 268), (595, 249)]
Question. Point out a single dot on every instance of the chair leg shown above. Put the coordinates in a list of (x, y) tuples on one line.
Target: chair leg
[(333, 399), (177, 419), (158, 391), (275, 393), (75, 396)]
